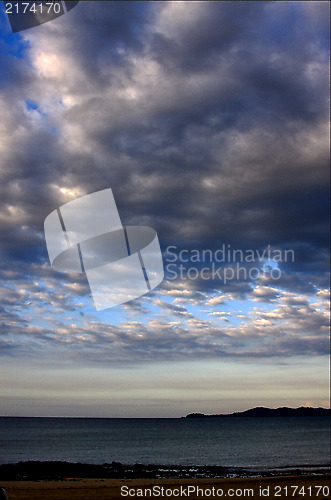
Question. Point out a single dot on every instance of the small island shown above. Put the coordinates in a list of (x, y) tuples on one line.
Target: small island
[(270, 412)]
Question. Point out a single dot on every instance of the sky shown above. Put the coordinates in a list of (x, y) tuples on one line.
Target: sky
[(209, 122)]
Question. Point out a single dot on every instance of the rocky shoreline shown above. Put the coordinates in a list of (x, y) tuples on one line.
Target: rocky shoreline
[(56, 471)]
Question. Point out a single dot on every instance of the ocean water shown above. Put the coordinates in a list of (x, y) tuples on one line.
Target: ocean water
[(261, 443)]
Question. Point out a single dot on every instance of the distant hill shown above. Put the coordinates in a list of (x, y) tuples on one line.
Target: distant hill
[(270, 412)]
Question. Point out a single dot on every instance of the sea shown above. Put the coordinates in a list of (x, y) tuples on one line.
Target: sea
[(260, 443)]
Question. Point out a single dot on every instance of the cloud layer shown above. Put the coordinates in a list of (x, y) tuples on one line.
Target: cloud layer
[(210, 123)]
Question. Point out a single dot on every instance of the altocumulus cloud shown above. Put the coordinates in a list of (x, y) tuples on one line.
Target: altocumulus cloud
[(209, 121)]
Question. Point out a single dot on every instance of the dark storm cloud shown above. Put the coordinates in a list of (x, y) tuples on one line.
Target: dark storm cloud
[(208, 120), (240, 124)]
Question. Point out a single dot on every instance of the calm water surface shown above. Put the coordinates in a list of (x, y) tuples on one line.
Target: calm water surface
[(232, 442)]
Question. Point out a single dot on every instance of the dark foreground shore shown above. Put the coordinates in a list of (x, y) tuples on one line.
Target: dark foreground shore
[(76, 481), (57, 471), (275, 488)]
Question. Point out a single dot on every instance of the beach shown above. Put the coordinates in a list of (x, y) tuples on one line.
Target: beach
[(195, 458), (296, 487)]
